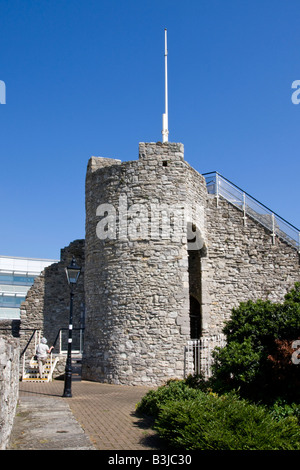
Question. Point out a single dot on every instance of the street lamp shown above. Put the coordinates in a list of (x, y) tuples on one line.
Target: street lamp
[(73, 273)]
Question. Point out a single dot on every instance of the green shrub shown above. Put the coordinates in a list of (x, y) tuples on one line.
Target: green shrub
[(256, 361), (257, 357), (173, 390), (210, 422), (280, 409)]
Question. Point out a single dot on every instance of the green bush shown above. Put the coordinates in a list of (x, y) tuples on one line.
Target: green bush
[(193, 419), (257, 357), (256, 361), (280, 409), (211, 422), (173, 390)]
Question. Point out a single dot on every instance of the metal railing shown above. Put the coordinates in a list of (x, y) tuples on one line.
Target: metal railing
[(198, 355), (26, 361), (35, 337), (30, 348), (250, 207), (62, 340)]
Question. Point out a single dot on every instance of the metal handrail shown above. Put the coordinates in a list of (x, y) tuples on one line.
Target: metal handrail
[(268, 218), (34, 330), (58, 337), (37, 332)]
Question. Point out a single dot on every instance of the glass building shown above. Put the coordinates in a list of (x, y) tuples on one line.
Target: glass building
[(16, 277)]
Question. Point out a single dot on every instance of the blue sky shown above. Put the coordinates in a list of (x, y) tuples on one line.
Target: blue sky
[(86, 77)]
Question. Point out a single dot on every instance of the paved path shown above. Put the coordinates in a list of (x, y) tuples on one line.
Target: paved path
[(98, 416)]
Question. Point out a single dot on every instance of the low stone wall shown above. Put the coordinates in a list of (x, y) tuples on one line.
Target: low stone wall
[(9, 385)]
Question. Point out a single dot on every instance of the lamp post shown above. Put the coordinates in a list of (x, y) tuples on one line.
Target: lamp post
[(72, 272)]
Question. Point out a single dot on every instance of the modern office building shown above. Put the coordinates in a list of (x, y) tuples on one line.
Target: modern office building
[(16, 277)]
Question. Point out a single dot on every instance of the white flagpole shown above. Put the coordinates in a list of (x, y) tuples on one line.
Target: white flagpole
[(165, 131)]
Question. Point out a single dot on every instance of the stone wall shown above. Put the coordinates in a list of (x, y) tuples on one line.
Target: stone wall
[(149, 290), (242, 264), (9, 383), (136, 280), (162, 262), (47, 304)]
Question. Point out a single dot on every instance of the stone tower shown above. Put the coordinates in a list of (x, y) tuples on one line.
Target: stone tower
[(166, 262), (145, 233)]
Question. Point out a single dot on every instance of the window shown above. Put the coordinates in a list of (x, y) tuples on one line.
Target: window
[(11, 301), (16, 279)]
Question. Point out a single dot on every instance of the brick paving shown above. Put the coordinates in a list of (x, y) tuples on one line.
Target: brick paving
[(105, 412)]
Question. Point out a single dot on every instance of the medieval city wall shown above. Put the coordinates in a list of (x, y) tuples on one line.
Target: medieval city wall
[(145, 290), (47, 304), (242, 263), (136, 280), (163, 262)]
